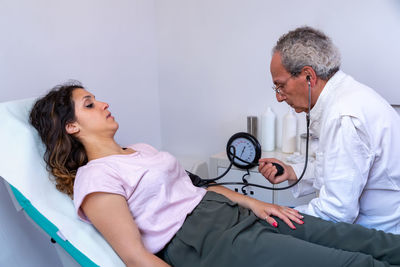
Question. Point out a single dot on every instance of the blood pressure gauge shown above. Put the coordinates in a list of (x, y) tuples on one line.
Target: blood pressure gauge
[(243, 150)]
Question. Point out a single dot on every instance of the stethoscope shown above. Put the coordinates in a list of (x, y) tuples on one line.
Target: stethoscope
[(244, 151)]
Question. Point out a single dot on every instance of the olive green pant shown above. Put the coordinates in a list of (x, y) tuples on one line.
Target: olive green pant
[(220, 233)]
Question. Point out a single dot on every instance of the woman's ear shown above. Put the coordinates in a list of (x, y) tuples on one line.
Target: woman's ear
[(71, 128)]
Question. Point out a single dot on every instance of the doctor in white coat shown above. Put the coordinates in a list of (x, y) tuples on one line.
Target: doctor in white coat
[(357, 169)]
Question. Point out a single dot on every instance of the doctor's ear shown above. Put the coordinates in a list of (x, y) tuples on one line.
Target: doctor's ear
[(71, 128), (310, 75)]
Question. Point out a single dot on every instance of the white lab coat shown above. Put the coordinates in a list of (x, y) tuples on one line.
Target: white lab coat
[(357, 169)]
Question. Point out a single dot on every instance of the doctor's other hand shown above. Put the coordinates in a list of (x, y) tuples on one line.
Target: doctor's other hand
[(269, 171)]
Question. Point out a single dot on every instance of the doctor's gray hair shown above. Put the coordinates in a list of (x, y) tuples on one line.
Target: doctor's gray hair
[(306, 46)]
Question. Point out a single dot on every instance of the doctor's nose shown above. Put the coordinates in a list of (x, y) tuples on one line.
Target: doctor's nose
[(280, 97)]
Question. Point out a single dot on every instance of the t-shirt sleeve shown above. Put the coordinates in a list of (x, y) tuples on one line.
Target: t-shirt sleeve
[(95, 178)]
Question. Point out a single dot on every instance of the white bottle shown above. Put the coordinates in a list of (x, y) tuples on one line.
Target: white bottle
[(268, 120), (289, 132)]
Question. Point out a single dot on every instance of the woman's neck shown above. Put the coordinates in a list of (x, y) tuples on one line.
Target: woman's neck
[(96, 149)]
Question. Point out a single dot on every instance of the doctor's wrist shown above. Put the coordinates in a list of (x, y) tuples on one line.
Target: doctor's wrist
[(292, 177)]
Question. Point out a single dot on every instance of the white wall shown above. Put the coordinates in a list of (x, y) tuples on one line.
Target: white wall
[(110, 47), (214, 60)]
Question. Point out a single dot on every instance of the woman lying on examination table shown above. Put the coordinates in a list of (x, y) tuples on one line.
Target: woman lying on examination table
[(144, 204)]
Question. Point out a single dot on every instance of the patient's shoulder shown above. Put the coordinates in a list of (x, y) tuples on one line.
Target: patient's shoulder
[(95, 170), (97, 177), (143, 147)]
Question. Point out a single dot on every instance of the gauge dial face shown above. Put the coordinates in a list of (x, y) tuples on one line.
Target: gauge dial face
[(247, 148)]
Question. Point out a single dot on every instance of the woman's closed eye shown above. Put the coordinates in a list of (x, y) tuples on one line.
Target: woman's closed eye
[(90, 105)]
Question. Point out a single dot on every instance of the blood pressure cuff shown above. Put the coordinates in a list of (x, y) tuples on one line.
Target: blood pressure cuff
[(196, 180)]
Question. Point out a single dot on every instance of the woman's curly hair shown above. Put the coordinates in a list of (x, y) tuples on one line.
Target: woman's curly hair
[(64, 153)]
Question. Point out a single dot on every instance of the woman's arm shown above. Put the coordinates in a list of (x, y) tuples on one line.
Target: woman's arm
[(110, 214), (261, 209)]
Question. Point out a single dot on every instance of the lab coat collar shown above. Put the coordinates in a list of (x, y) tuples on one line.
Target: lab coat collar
[(322, 101)]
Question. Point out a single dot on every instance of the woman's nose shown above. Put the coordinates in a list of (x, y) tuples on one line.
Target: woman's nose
[(105, 105)]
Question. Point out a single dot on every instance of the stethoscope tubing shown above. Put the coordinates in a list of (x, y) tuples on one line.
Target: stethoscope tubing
[(210, 181)]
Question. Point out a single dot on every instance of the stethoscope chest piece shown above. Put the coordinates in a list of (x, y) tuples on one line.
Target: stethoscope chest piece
[(246, 148)]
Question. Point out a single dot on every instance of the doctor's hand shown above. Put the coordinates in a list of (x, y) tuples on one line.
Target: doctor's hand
[(265, 210), (269, 171)]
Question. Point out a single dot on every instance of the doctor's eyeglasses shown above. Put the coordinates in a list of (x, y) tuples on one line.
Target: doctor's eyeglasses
[(278, 88)]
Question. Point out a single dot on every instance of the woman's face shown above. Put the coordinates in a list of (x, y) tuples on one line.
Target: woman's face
[(93, 119)]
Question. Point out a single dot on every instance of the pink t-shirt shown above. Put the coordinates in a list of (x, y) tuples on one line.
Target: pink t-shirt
[(157, 189)]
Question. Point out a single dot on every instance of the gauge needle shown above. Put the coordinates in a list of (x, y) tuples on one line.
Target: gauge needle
[(242, 152)]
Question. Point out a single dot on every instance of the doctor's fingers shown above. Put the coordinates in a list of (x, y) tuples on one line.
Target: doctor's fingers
[(270, 160), (269, 171), (266, 169)]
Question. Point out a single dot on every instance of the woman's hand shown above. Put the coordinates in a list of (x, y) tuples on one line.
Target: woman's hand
[(262, 209), (265, 210)]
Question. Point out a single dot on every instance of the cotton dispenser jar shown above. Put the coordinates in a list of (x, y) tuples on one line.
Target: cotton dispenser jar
[(289, 132), (268, 122)]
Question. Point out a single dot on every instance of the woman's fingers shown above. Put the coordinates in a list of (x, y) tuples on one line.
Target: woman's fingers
[(287, 215), (286, 220), (295, 213), (271, 221), (291, 211), (266, 210)]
